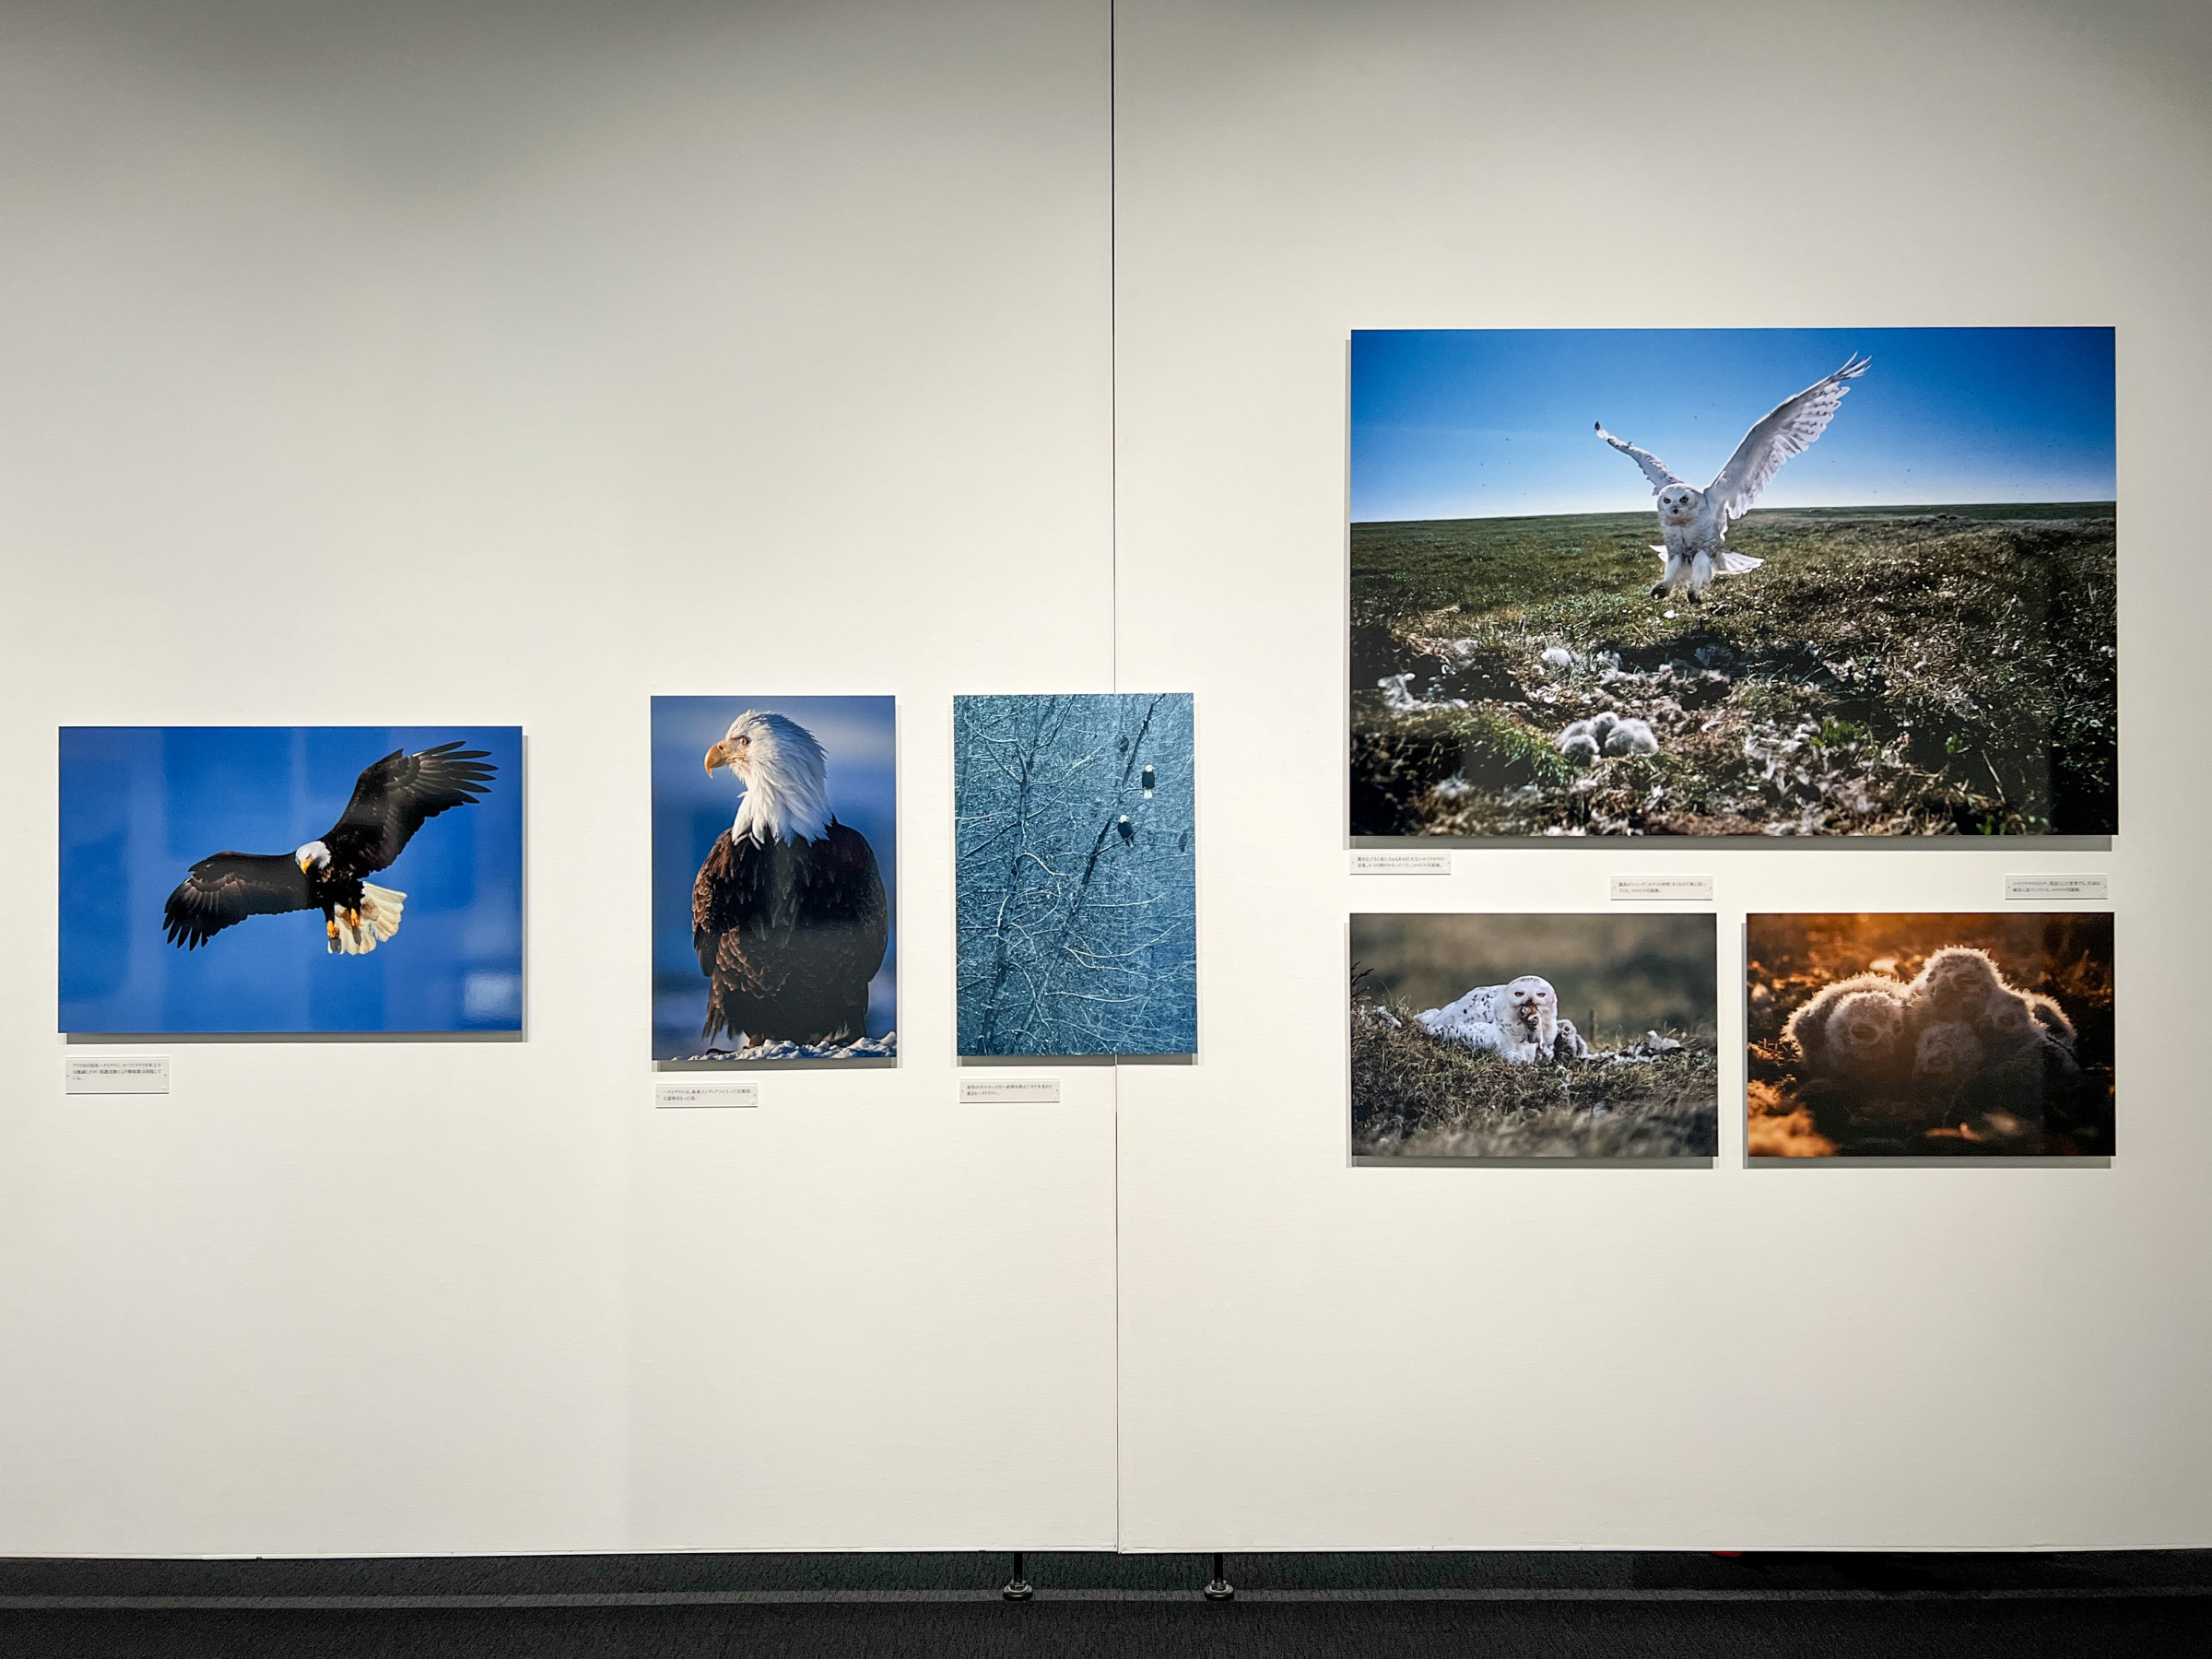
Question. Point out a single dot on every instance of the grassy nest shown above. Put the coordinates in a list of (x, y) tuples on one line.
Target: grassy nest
[(1419, 1096), (1887, 672)]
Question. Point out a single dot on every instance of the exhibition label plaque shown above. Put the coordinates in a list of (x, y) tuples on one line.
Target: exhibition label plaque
[(693, 1095), (117, 1074), (1401, 864), (1695, 889), (2094, 888), (1000, 1092)]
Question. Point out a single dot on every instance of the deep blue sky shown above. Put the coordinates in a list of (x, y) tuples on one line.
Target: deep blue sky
[(141, 805), (859, 737), (1496, 423)]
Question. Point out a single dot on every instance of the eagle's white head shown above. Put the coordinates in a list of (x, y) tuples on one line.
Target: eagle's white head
[(1537, 1005), (312, 857), (1678, 504), (780, 765)]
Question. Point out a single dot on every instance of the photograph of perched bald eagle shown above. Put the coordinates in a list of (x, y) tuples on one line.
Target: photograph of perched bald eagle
[(391, 799), (787, 907), (394, 910)]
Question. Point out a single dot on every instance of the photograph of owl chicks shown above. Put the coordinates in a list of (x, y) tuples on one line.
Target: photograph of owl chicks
[(1874, 1036)]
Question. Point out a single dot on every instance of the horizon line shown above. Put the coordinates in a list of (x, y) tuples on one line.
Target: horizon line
[(1463, 518)]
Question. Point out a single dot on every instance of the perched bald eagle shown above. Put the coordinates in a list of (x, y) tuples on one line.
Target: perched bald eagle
[(391, 799), (788, 913)]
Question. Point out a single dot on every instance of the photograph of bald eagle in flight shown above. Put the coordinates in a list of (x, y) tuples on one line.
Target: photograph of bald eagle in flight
[(391, 799), (394, 910), (773, 826)]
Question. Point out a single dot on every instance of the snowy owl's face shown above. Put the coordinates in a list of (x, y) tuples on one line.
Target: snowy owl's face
[(1677, 504), (1532, 997)]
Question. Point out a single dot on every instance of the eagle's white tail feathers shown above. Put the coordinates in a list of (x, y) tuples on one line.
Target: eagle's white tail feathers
[(378, 921)]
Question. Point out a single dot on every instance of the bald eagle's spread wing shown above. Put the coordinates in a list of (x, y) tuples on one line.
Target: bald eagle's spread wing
[(1656, 470), (1788, 430), (229, 887), (395, 795), (789, 934)]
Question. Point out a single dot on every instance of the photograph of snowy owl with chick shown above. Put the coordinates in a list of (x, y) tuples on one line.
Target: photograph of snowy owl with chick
[(1894, 1036), (1532, 1036), (1733, 582)]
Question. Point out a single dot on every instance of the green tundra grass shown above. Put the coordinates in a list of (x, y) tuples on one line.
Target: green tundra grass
[(1889, 671)]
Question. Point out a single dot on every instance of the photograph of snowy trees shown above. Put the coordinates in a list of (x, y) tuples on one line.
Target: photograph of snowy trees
[(1076, 899)]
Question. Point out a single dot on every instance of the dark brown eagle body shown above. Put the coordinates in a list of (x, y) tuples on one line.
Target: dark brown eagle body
[(391, 799), (789, 932)]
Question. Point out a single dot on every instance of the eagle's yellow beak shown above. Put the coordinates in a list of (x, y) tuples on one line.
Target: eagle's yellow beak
[(305, 859), (718, 756)]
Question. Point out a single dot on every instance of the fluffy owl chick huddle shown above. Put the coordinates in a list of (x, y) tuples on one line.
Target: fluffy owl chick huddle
[(1585, 741), (1956, 1047), (1519, 1020)]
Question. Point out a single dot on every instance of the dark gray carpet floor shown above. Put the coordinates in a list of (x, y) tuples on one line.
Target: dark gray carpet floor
[(2151, 1602)]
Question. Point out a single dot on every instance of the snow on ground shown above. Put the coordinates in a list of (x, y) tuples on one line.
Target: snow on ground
[(885, 1047)]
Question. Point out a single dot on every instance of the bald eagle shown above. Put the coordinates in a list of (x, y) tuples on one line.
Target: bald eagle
[(788, 913), (390, 800)]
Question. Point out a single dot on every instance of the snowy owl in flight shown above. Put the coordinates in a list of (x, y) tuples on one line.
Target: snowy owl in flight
[(1695, 522)]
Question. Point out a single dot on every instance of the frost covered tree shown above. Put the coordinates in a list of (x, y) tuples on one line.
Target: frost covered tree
[(1077, 905)]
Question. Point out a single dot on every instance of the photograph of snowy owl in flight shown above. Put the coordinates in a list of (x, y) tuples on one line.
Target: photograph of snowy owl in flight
[(1892, 611)]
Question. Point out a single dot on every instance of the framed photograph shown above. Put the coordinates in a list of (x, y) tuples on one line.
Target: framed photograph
[(1917, 1036), (256, 879), (1076, 889), (1477, 1037), (1733, 582), (775, 879)]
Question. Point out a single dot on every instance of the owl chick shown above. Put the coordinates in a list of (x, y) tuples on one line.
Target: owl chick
[(2051, 1017), (1955, 983), (1946, 1056), (1809, 1027), (2008, 1027), (1630, 737), (1859, 1041), (1570, 1045), (1577, 744)]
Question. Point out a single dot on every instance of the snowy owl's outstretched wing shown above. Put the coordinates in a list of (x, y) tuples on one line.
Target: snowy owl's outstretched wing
[(1654, 469), (1789, 430)]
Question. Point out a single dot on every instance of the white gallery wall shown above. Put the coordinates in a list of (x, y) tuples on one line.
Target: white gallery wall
[(599, 352), (1814, 1354), (926, 349)]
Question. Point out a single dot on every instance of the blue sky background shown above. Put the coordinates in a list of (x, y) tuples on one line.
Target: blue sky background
[(140, 805), (859, 737), (1497, 423)]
